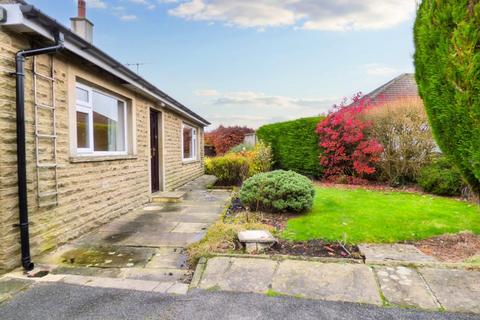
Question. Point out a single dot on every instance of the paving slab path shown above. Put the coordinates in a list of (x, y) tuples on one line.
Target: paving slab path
[(142, 250), (455, 290)]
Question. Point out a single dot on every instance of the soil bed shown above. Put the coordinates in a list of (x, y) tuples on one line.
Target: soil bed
[(451, 247), (314, 248)]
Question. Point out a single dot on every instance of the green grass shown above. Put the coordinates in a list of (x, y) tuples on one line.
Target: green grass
[(381, 217)]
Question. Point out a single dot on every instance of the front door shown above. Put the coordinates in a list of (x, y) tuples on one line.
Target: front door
[(154, 151)]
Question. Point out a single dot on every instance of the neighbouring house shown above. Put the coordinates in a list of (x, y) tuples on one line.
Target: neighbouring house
[(99, 139), (403, 86)]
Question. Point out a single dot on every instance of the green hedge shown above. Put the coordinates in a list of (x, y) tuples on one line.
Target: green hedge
[(294, 145), (447, 64)]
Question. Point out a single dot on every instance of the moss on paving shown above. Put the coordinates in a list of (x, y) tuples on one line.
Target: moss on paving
[(367, 216)]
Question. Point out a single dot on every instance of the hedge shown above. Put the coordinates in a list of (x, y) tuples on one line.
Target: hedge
[(294, 145), (447, 64)]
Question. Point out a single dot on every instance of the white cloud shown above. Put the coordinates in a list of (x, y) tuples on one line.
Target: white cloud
[(128, 17), (145, 3), (376, 69), (97, 4), (339, 15), (255, 109), (206, 93)]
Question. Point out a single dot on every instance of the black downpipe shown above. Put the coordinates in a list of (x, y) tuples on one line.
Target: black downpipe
[(21, 153)]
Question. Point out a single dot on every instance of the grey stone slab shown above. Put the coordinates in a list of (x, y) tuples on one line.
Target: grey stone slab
[(162, 239), (190, 227), (393, 252), (456, 290), (138, 227), (238, 274), (158, 274), (11, 286), (256, 236), (86, 271), (327, 281), (172, 261), (405, 287), (107, 256), (178, 288)]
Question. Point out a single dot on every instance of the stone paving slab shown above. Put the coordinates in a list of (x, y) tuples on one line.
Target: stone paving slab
[(236, 274), (327, 281), (11, 286), (456, 290), (375, 253), (405, 287)]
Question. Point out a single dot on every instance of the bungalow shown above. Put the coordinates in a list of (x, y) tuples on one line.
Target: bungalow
[(83, 138)]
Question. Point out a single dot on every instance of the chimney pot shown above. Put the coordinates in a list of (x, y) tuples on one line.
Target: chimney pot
[(82, 9)]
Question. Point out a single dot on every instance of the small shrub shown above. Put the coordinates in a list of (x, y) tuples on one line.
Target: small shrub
[(401, 127), (260, 159), (233, 168), (278, 191), (294, 145), (441, 178), (230, 169), (241, 148)]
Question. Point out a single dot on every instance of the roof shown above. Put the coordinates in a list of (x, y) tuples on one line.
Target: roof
[(27, 18), (400, 87)]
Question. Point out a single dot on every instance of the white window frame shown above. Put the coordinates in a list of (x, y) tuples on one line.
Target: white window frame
[(87, 107), (193, 143)]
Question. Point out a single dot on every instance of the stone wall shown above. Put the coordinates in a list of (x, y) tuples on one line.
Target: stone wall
[(91, 191)]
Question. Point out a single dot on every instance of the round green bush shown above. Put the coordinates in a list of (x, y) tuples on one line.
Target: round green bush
[(441, 178), (278, 191), (447, 67)]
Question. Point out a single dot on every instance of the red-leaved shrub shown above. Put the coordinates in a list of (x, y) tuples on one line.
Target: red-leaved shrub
[(225, 138), (349, 154)]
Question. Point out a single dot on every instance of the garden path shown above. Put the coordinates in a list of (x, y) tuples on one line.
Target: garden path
[(144, 249), (431, 288)]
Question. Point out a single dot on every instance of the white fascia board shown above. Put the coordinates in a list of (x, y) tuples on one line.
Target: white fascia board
[(18, 22)]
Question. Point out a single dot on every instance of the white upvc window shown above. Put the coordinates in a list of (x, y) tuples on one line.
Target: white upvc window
[(189, 143), (101, 121)]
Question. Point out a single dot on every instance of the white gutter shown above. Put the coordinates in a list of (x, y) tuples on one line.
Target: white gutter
[(18, 22)]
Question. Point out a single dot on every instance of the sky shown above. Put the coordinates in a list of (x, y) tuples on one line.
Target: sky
[(252, 62)]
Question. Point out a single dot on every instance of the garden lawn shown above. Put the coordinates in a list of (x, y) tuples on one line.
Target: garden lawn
[(366, 216)]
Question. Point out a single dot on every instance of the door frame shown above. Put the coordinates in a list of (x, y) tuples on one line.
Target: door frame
[(160, 148)]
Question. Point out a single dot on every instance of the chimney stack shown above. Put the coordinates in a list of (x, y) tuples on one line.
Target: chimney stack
[(80, 24)]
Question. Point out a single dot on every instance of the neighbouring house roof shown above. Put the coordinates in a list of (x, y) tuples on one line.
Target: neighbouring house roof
[(26, 18), (403, 86)]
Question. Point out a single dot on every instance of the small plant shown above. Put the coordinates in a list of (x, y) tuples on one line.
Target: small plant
[(278, 191), (233, 168), (441, 178), (230, 169), (241, 148)]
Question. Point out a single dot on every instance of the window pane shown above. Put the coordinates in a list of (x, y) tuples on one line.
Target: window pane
[(108, 123), (82, 95), (82, 130), (187, 142)]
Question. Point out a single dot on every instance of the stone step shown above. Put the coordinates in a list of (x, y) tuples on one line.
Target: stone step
[(168, 196)]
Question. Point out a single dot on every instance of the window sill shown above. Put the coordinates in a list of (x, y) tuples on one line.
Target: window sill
[(190, 161), (89, 158)]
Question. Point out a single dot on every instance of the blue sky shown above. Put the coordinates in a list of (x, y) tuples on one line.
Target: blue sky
[(250, 62)]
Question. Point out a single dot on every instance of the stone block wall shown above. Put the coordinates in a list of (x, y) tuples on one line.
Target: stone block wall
[(91, 191)]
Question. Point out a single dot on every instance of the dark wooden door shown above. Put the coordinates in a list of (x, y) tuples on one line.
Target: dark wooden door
[(154, 152)]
